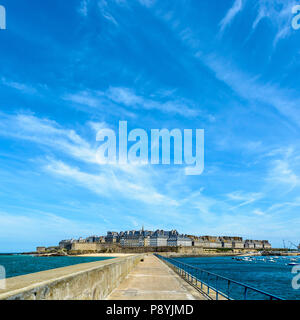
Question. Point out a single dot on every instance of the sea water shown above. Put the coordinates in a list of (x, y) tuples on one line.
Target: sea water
[(17, 265), (272, 277)]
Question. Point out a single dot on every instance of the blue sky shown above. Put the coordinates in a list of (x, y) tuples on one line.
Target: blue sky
[(68, 68)]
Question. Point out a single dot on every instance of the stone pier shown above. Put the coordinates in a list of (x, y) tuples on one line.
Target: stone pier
[(131, 277), (152, 279), (86, 281)]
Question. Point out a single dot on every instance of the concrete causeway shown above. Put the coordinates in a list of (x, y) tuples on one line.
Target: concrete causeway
[(85, 281), (152, 279)]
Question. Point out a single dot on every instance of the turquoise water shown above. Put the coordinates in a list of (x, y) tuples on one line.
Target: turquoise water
[(272, 277), (17, 265)]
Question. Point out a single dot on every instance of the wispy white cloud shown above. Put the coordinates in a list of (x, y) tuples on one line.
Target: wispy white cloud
[(147, 3), (284, 170), (284, 174), (130, 181), (231, 14), (86, 98), (22, 87), (106, 12), (96, 126), (244, 198), (91, 101), (283, 207), (83, 8), (130, 99), (112, 181), (127, 98), (133, 183), (247, 85), (250, 88), (47, 133), (258, 212), (278, 14), (103, 7)]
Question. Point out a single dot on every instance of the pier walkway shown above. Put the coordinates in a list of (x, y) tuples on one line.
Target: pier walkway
[(152, 279)]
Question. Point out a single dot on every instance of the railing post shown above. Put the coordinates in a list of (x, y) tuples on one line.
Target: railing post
[(228, 288), (201, 280), (187, 271), (245, 293), (217, 292), (208, 283)]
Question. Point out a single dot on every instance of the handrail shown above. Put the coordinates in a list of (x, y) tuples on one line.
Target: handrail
[(184, 267)]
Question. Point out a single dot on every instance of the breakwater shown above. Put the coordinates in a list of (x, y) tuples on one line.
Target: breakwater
[(88, 281), (154, 280), (19, 265)]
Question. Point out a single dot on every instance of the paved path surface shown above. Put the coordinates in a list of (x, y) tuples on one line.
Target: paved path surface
[(154, 280)]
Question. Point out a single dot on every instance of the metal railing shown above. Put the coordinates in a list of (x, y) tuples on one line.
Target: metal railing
[(222, 287)]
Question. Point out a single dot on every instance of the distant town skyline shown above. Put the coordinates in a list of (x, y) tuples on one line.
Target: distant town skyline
[(70, 68), (159, 238)]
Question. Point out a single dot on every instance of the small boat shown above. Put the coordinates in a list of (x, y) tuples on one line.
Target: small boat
[(294, 264), (293, 259)]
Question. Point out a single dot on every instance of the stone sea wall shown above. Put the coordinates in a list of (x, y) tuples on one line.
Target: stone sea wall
[(79, 248), (87, 281)]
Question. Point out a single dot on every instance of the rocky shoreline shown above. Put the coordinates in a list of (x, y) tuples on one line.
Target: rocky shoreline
[(181, 252)]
